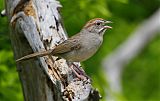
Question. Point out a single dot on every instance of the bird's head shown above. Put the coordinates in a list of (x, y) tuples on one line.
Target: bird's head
[(97, 25)]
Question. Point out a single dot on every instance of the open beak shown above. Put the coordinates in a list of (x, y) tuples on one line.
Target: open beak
[(105, 27), (106, 22)]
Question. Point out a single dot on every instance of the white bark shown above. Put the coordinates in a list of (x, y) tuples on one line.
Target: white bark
[(35, 26), (117, 60)]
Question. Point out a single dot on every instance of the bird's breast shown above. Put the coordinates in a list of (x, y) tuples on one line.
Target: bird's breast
[(89, 46)]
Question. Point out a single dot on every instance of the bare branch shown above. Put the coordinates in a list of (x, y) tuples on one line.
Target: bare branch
[(116, 61)]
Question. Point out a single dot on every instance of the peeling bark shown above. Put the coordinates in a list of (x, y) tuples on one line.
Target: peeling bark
[(36, 26)]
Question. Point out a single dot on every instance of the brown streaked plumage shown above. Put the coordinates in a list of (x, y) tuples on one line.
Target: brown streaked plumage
[(92, 22)]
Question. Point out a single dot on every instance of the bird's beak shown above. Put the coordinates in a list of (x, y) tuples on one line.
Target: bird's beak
[(105, 27), (106, 22)]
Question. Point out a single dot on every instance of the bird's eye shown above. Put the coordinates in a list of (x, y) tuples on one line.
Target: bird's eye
[(98, 23)]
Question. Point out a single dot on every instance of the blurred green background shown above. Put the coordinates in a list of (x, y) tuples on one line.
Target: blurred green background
[(141, 77)]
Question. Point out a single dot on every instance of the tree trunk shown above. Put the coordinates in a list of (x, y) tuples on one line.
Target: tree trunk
[(36, 26)]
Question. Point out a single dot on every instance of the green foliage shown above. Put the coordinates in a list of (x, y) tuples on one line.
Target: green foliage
[(81, 11), (9, 82), (141, 78)]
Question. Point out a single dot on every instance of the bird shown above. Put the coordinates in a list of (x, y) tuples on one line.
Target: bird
[(80, 46)]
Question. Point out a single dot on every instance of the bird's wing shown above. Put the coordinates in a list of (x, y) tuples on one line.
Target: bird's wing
[(67, 46)]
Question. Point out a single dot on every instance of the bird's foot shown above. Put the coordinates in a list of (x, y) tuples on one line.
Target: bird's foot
[(78, 72)]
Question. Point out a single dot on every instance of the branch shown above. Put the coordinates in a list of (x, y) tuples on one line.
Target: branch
[(116, 61)]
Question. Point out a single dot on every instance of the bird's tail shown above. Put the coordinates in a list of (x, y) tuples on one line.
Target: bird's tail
[(38, 54)]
